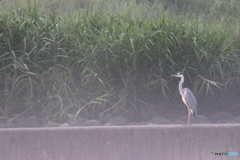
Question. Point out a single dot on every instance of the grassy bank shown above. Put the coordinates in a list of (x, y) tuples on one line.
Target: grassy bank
[(101, 59)]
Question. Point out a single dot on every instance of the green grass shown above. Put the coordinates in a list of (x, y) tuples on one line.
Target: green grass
[(102, 59)]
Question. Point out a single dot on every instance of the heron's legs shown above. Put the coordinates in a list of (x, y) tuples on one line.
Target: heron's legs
[(189, 115)]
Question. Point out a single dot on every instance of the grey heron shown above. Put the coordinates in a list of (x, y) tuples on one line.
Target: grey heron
[(187, 97)]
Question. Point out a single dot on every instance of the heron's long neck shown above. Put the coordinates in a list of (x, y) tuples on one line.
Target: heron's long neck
[(180, 86)]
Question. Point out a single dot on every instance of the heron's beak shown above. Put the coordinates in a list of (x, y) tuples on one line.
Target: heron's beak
[(173, 75)]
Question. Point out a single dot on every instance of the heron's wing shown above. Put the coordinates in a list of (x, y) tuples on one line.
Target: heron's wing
[(189, 99)]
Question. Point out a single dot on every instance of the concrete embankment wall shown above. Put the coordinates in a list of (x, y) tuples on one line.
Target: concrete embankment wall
[(155, 142)]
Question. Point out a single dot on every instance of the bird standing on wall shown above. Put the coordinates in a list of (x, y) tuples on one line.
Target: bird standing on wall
[(187, 97)]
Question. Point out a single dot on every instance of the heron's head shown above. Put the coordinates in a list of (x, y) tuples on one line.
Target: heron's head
[(177, 75)]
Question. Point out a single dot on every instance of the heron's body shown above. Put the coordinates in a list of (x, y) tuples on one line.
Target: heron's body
[(187, 97), (189, 100)]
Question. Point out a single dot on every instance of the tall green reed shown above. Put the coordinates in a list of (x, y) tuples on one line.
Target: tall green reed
[(106, 59)]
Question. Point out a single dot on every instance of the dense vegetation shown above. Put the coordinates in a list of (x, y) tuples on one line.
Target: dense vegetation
[(106, 58)]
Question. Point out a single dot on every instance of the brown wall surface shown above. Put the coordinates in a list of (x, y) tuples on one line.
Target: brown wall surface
[(153, 142)]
